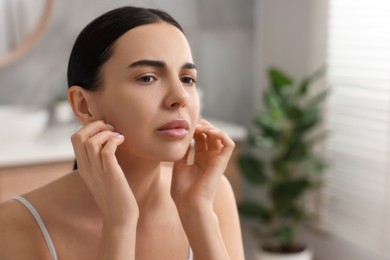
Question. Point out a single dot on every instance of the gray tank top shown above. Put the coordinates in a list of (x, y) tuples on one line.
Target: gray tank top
[(45, 233)]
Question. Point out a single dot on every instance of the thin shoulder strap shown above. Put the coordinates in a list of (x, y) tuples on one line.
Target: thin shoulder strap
[(190, 254), (42, 226)]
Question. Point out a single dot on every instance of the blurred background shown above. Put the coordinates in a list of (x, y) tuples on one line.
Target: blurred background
[(234, 42)]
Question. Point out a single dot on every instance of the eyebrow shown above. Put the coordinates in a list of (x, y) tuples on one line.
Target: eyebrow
[(158, 64)]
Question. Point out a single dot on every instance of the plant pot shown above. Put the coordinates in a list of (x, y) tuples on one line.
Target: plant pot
[(303, 255)]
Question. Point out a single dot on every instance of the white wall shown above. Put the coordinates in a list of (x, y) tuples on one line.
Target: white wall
[(290, 35), (3, 45)]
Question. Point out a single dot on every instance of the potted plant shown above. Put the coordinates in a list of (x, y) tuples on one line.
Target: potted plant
[(282, 162)]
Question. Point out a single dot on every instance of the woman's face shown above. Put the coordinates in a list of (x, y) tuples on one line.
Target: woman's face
[(149, 92)]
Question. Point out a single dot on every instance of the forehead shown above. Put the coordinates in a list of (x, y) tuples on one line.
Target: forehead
[(160, 41)]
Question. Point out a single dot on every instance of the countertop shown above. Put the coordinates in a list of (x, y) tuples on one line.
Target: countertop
[(54, 145)]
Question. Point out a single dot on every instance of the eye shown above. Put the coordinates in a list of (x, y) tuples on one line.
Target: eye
[(146, 79), (188, 80)]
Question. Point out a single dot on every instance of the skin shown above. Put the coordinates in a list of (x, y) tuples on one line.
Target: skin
[(121, 203)]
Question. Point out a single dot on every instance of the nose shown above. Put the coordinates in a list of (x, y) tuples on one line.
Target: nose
[(176, 96)]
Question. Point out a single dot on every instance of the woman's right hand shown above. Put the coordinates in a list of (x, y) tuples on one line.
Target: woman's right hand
[(95, 145)]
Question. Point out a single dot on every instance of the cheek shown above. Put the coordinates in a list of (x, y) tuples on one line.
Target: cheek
[(123, 111), (127, 122), (134, 130), (194, 107)]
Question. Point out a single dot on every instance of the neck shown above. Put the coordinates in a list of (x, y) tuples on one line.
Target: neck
[(144, 178), (149, 185)]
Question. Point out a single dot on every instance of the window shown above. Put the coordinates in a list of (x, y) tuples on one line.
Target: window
[(357, 202)]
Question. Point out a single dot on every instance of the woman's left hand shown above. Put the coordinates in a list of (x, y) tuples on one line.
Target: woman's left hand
[(194, 186)]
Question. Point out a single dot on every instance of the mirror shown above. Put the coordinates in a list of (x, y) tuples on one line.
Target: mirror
[(22, 23)]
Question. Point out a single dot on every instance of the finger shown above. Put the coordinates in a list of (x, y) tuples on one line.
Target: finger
[(214, 137), (225, 140), (218, 140), (200, 141), (202, 127), (94, 146), (207, 128), (78, 141), (211, 140), (109, 161), (92, 129)]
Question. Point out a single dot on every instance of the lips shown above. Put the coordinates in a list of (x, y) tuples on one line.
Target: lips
[(176, 124), (174, 129)]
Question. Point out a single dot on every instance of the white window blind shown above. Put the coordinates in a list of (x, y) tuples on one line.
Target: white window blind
[(357, 193)]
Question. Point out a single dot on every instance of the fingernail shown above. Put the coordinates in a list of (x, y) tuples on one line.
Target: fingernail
[(120, 136), (198, 125), (110, 126)]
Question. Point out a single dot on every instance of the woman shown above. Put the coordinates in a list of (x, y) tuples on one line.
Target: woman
[(132, 87)]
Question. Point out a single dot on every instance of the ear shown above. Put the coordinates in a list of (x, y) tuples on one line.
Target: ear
[(81, 102)]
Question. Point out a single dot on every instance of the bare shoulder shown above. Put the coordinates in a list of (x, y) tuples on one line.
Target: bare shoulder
[(225, 197), (225, 206), (20, 237)]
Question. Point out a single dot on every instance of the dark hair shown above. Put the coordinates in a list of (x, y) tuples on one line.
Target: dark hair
[(94, 45)]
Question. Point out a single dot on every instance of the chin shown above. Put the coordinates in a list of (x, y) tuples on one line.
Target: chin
[(158, 151), (173, 154), (172, 157)]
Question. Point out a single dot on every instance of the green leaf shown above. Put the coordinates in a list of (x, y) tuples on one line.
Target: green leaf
[(295, 150), (304, 86), (315, 165), (252, 168), (271, 100), (262, 142), (318, 99), (288, 190), (279, 79), (294, 113), (273, 105), (254, 209), (310, 119), (268, 127), (306, 82)]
